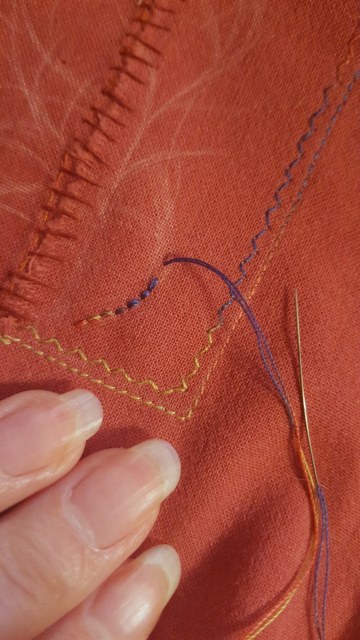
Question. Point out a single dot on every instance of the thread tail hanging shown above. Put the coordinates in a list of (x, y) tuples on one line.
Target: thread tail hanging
[(274, 374), (324, 539)]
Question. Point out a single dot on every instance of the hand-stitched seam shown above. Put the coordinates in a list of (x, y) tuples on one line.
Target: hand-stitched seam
[(78, 352), (131, 304), (8, 340), (281, 230), (306, 136), (83, 161)]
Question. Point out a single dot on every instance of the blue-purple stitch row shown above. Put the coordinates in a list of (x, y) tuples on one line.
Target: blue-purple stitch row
[(135, 301), (289, 178)]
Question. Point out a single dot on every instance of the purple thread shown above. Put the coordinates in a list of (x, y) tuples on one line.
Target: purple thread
[(153, 284), (289, 177), (280, 387), (133, 303), (262, 344), (324, 534)]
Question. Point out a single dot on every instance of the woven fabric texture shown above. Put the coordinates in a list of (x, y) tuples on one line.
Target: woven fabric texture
[(132, 133)]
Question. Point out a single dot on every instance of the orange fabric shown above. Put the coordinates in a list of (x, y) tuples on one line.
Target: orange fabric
[(197, 130)]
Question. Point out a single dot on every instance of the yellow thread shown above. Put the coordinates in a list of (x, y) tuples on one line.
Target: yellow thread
[(104, 314), (266, 624), (304, 567), (127, 377), (8, 340)]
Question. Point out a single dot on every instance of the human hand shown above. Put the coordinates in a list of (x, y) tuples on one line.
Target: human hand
[(64, 547)]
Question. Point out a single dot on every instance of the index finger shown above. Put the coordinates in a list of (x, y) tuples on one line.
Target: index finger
[(42, 436)]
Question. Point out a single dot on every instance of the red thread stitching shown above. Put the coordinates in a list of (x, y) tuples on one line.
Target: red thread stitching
[(81, 164)]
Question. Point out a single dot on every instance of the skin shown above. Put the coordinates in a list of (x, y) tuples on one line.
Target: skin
[(68, 527)]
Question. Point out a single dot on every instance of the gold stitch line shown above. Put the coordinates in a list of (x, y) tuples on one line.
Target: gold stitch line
[(9, 340), (128, 378)]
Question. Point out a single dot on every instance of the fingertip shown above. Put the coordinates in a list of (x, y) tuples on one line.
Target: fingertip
[(164, 458), (132, 600), (41, 429), (88, 410), (167, 558)]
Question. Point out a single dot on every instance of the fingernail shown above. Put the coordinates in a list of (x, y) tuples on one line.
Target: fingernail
[(166, 558), (115, 497), (88, 412), (38, 435), (130, 603)]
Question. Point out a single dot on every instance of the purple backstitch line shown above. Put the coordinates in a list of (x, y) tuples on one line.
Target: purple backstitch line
[(131, 304), (135, 301), (268, 212)]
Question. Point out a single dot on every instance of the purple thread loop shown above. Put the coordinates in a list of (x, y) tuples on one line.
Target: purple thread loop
[(276, 379), (262, 344), (120, 310), (144, 294)]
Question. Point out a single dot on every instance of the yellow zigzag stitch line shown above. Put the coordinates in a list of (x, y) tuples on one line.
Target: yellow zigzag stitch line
[(148, 381), (8, 340)]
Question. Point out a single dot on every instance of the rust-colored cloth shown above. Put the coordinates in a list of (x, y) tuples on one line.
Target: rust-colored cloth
[(132, 133)]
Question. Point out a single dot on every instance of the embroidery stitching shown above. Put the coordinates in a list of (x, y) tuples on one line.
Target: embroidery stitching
[(8, 340), (83, 162), (5, 339), (288, 175), (183, 386), (78, 352), (131, 304)]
